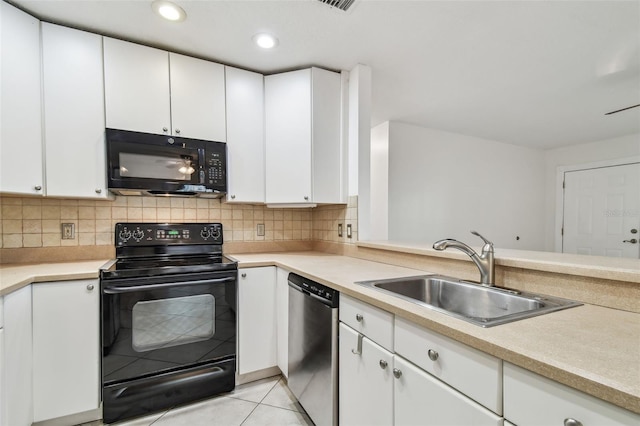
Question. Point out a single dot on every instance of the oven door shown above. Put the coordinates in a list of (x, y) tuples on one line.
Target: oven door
[(166, 340)]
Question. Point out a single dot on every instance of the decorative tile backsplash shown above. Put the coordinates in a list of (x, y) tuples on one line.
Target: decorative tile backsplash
[(37, 222)]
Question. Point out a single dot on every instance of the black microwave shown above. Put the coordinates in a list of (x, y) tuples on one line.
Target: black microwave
[(149, 164)]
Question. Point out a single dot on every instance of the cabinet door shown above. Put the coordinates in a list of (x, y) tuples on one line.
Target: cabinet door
[(327, 137), (530, 399), (245, 136), (197, 98), (288, 137), (21, 167), (282, 320), (136, 80), (66, 348), (256, 319), (17, 401), (420, 399), (366, 388), (73, 112)]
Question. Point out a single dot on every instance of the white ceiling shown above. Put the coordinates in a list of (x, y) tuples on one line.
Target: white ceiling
[(534, 73)]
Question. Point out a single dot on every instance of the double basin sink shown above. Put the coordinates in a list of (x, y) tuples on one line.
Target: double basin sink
[(481, 305)]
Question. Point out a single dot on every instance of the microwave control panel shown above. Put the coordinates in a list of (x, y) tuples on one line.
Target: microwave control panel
[(215, 174)]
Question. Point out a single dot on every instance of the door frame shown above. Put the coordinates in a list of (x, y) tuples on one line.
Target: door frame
[(561, 170)]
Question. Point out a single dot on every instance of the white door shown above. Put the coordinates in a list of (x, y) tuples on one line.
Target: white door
[(197, 98), (602, 211), (365, 381), (136, 84), (73, 112)]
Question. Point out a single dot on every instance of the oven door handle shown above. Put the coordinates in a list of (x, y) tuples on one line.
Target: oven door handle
[(136, 288)]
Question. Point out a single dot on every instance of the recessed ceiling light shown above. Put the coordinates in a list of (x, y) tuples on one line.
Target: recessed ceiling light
[(168, 10), (266, 41)]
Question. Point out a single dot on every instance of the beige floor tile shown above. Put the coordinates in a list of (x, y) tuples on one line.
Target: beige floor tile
[(265, 415), (139, 421), (221, 411), (280, 396), (254, 391)]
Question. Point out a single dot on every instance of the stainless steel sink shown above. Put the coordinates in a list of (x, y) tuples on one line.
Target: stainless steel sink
[(480, 305)]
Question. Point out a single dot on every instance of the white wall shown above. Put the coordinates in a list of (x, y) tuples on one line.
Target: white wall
[(442, 185), (593, 152), (380, 182)]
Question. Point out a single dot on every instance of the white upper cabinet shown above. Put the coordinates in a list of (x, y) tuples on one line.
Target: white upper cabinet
[(136, 82), (21, 167), (73, 113), (154, 91), (303, 137), (245, 136), (197, 98)]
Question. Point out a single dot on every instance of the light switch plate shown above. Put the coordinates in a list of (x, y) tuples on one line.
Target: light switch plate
[(260, 230), (339, 230), (349, 230)]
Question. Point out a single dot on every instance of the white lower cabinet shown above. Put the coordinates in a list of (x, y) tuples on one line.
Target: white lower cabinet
[(66, 348), (365, 380), (530, 399), (17, 399), (421, 399), (257, 339)]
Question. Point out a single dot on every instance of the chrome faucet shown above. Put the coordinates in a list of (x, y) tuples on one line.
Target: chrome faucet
[(484, 261)]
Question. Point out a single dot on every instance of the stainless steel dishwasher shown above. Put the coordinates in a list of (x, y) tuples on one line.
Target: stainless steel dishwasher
[(313, 348)]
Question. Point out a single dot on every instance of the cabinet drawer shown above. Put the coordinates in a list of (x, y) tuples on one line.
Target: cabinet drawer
[(530, 399), (373, 322), (472, 372)]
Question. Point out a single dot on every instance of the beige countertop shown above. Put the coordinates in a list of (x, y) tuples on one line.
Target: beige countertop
[(610, 268), (14, 277), (590, 348)]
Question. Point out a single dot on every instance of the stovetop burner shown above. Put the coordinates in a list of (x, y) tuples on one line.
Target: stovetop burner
[(151, 249)]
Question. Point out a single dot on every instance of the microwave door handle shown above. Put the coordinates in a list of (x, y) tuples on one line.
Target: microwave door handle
[(133, 289)]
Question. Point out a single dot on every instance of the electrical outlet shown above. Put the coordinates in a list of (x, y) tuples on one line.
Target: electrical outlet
[(349, 230), (68, 231), (339, 230), (260, 230)]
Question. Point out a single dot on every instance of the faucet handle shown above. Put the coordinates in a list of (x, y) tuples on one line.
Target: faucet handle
[(476, 233)]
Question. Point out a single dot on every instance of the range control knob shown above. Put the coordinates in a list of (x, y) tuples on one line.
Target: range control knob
[(138, 235), (205, 233), (124, 235), (215, 233)]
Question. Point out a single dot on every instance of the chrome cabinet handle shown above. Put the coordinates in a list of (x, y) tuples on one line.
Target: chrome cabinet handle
[(634, 231), (359, 317), (233, 197), (383, 364), (572, 422), (243, 275), (90, 287), (632, 241), (177, 131), (98, 191), (397, 373), (433, 355), (306, 198), (164, 129), (37, 187), (358, 350)]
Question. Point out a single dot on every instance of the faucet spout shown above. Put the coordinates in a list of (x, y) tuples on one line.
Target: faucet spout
[(484, 261)]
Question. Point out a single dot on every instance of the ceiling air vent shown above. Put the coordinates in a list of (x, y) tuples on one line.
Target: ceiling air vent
[(340, 4)]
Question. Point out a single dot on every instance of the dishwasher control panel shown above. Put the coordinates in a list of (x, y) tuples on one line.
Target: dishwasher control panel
[(307, 286)]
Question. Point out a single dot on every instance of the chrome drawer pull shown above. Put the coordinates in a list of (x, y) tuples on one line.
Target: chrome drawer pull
[(397, 373), (359, 317), (433, 355), (572, 422), (383, 364), (358, 350)]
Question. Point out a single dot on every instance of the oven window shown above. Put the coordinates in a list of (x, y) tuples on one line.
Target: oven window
[(155, 166), (171, 322)]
